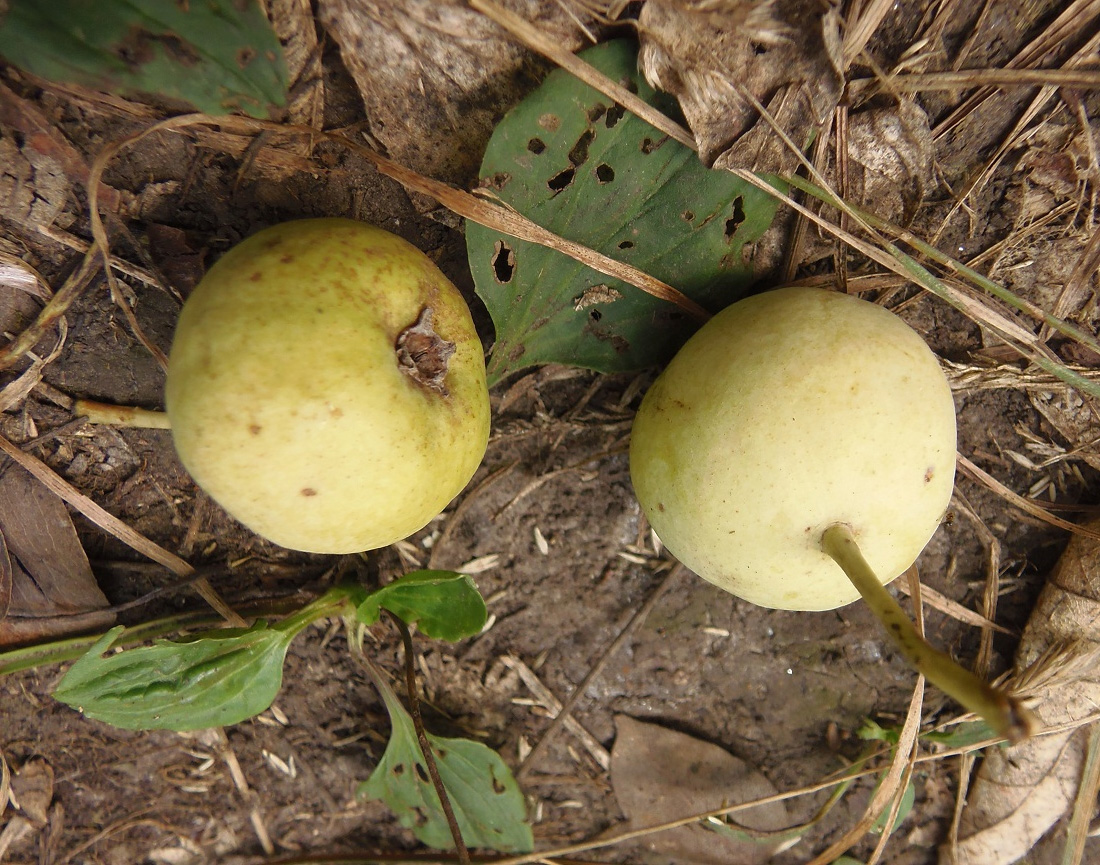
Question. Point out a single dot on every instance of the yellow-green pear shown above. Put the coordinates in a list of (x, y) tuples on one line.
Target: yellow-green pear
[(786, 413), (326, 386)]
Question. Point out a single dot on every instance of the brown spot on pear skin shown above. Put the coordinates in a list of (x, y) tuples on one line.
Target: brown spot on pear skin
[(309, 491), (257, 276), (254, 429), (929, 473)]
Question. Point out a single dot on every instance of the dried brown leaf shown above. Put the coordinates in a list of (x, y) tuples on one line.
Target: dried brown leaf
[(109, 522), (660, 775), (51, 579), (53, 162), (32, 790), (784, 54), (890, 160), (1019, 793), (1075, 418), (6, 581), (296, 28), (435, 76)]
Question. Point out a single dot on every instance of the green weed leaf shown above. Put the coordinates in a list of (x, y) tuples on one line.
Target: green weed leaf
[(908, 797), (486, 800), (962, 736), (444, 604), (572, 161), (219, 55), (218, 678)]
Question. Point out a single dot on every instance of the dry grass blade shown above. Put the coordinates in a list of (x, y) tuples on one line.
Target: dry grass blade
[(533, 38), (639, 616), (1024, 504), (975, 277), (5, 784), (1075, 18), (16, 273), (860, 31), (78, 244), (966, 377), (955, 610), (95, 412), (1016, 136), (553, 705), (610, 840), (1019, 339), (1078, 830), (991, 593), (16, 391), (109, 522), (922, 82), (892, 816), (51, 312)]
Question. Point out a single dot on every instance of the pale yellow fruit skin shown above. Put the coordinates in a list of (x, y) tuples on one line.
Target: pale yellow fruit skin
[(286, 400), (788, 412)]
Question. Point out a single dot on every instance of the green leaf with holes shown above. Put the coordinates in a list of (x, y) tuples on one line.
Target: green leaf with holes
[(575, 163), (220, 56), (486, 800)]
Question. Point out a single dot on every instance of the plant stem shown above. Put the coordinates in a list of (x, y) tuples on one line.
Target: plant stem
[(120, 415), (422, 738), (1004, 713)]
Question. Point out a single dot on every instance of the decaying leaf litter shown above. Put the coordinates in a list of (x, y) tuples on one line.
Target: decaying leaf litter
[(553, 505)]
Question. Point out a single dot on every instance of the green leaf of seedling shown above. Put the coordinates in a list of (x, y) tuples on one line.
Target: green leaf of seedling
[(210, 680), (444, 604), (487, 802), (219, 55), (579, 165), (966, 735), (908, 796), (872, 731)]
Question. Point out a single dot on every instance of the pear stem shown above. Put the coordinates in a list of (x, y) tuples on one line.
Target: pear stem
[(1003, 712), (120, 415)]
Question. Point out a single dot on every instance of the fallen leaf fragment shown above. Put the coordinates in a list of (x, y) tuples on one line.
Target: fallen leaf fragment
[(1019, 793), (660, 775), (31, 793), (890, 160), (711, 56), (51, 579), (435, 76)]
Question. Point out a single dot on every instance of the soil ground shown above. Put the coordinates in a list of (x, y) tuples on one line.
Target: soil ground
[(572, 560)]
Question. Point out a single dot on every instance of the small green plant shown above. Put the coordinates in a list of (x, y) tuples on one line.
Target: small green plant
[(221, 677)]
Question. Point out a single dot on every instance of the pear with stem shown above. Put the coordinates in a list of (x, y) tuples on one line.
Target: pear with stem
[(799, 452)]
